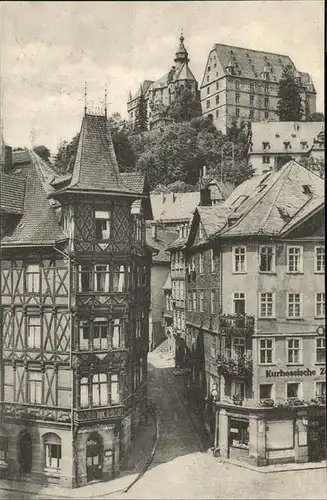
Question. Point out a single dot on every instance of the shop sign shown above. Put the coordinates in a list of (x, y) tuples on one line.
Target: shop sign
[(292, 373)]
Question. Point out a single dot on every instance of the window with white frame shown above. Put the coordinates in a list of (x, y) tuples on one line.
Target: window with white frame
[(34, 332), (212, 261), (294, 351), (239, 303), (35, 386), (52, 448), (114, 389), (212, 302), (267, 305), (265, 391), (239, 347), (85, 278), (84, 392), (294, 305), (239, 259), (201, 262), (101, 278), (319, 259), (320, 350), (116, 332), (194, 301), (84, 334), (189, 301), (99, 389), (320, 305), (33, 278), (266, 258), (100, 333), (118, 284), (295, 259), (266, 351), (321, 389), (201, 301), (102, 224), (293, 390)]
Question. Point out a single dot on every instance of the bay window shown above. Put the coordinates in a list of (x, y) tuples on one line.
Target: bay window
[(116, 333), (99, 389), (101, 277), (119, 278), (100, 333)]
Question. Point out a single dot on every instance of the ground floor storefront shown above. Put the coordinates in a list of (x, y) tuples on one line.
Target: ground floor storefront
[(265, 436), (68, 455)]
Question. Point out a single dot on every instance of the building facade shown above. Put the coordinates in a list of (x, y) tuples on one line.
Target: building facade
[(74, 325), (273, 144), (242, 84), (159, 94), (265, 383)]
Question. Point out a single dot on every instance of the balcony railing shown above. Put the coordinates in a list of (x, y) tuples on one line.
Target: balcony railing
[(35, 412), (235, 367), (236, 323)]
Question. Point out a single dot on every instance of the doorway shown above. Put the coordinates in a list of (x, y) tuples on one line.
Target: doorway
[(94, 457), (25, 452)]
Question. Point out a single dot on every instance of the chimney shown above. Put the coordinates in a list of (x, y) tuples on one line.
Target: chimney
[(154, 231), (6, 158)]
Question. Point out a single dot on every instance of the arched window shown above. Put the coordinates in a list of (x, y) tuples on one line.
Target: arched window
[(52, 450)]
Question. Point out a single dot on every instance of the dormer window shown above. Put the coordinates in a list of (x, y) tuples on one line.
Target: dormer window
[(287, 145), (102, 224), (304, 144)]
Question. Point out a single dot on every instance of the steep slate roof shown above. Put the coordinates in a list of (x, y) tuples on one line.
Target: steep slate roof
[(133, 180), (184, 73), (164, 238), (96, 167), (144, 86), (266, 204), (251, 63), (213, 218), (38, 224), (276, 133), (177, 243), (174, 206), (12, 193)]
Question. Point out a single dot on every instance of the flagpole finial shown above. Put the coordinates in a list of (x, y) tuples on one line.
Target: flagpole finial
[(85, 98), (105, 100)]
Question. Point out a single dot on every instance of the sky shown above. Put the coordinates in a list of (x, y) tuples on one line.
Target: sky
[(49, 49)]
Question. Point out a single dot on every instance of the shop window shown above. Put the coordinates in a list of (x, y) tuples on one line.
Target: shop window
[(239, 433), (266, 259), (265, 391), (33, 278), (239, 303), (321, 389), (52, 448), (239, 259), (292, 390), (3, 451), (102, 224), (320, 350), (34, 332)]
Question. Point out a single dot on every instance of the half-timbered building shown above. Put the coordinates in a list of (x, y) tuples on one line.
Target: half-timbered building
[(74, 332)]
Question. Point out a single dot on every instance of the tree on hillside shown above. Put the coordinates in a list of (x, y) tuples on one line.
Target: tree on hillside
[(43, 152), (289, 105), (184, 107), (141, 114)]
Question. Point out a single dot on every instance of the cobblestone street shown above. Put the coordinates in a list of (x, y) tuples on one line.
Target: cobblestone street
[(182, 468)]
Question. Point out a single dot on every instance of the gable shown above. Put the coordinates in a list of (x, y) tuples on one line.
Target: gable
[(213, 69)]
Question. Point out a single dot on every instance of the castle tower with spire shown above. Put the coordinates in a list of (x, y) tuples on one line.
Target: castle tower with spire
[(161, 93)]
